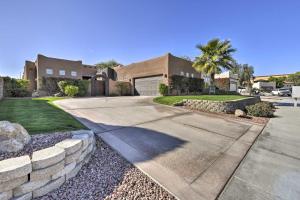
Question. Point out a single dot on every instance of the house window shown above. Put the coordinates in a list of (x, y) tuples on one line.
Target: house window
[(62, 72), (187, 74), (192, 75), (73, 73), (182, 73), (49, 71)]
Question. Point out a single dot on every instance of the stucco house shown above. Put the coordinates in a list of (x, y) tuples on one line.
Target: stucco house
[(144, 77), (227, 81), (45, 66)]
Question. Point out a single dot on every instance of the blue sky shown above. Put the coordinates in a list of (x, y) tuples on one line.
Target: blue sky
[(266, 33)]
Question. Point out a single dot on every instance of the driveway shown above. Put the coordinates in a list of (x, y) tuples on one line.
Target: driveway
[(191, 155)]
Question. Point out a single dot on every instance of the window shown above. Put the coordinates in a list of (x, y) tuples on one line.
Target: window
[(73, 73), (49, 71), (182, 73), (62, 72), (192, 75), (187, 74)]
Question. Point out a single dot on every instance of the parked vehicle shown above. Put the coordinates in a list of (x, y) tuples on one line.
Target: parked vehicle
[(282, 92)]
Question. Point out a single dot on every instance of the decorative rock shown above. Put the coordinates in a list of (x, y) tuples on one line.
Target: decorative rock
[(47, 172), (9, 185), (239, 113), (68, 168), (28, 187), (70, 145), (6, 195), (73, 157), (27, 196), (13, 137), (14, 167), (47, 157), (49, 187)]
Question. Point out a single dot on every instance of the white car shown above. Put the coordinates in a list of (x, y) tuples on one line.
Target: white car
[(282, 92)]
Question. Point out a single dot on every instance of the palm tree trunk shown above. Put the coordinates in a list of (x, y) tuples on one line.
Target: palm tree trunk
[(212, 88)]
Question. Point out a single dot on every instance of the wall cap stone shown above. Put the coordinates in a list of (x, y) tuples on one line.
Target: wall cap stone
[(47, 157), (70, 145), (14, 167)]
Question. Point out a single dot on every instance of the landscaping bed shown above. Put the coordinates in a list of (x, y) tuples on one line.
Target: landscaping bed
[(171, 100), (38, 142), (38, 115), (108, 176)]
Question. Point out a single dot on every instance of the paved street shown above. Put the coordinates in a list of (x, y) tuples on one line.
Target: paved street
[(271, 169), (191, 155)]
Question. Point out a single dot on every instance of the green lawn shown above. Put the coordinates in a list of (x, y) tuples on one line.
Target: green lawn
[(38, 115), (170, 100)]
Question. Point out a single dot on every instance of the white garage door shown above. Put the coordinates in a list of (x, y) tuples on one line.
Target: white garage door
[(147, 86)]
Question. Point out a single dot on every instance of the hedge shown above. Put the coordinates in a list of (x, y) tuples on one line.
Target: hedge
[(15, 87), (186, 85), (51, 85)]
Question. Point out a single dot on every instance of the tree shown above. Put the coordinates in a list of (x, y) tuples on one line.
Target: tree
[(246, 75), (279, 81), (294, 78), (215, 56), (107, 64)]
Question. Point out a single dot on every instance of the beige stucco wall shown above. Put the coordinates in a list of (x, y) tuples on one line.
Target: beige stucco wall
[(43, 63), (30, 74), (178, 65), (152, 67)]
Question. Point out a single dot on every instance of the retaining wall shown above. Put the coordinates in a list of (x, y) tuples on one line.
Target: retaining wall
[(1, 87), (220, 106), (26, 178)]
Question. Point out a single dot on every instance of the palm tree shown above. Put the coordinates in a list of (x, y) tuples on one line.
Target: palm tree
[(215, 55)]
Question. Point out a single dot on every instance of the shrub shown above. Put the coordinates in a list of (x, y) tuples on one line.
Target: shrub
[(71, 90), (184, 85), (62, 85), (261, 109), (15, 87), (81, 84), (163, 89), (123, 88)]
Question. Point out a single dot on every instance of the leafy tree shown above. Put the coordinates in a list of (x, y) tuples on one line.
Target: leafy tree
[(107, 64), (188, 58), (246, 74), (215, 56), (279, 81), (294, 78)]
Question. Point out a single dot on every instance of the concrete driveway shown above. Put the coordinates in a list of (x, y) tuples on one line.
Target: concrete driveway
[(192, 155)]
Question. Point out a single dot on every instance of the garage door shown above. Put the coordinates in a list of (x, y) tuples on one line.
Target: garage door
[(147, 86)]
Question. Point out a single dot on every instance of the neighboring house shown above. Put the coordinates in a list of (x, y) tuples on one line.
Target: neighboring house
[(145, 76), (262, 82), (227, 81), (264, 85), (55, 67)]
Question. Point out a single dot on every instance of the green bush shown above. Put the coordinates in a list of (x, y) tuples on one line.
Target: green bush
[(163, 89), (81, 84), (185, 85), (16, 87), (71, 90), (261, 109)]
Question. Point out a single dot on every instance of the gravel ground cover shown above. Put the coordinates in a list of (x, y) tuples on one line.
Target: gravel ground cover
[(38, 142), (108, 176)]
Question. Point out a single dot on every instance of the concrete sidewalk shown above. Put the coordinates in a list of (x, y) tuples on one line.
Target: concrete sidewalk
[(271, 169)]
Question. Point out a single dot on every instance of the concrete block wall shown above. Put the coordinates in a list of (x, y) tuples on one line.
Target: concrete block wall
[(27, 178), (1, 88), (220, 106)]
